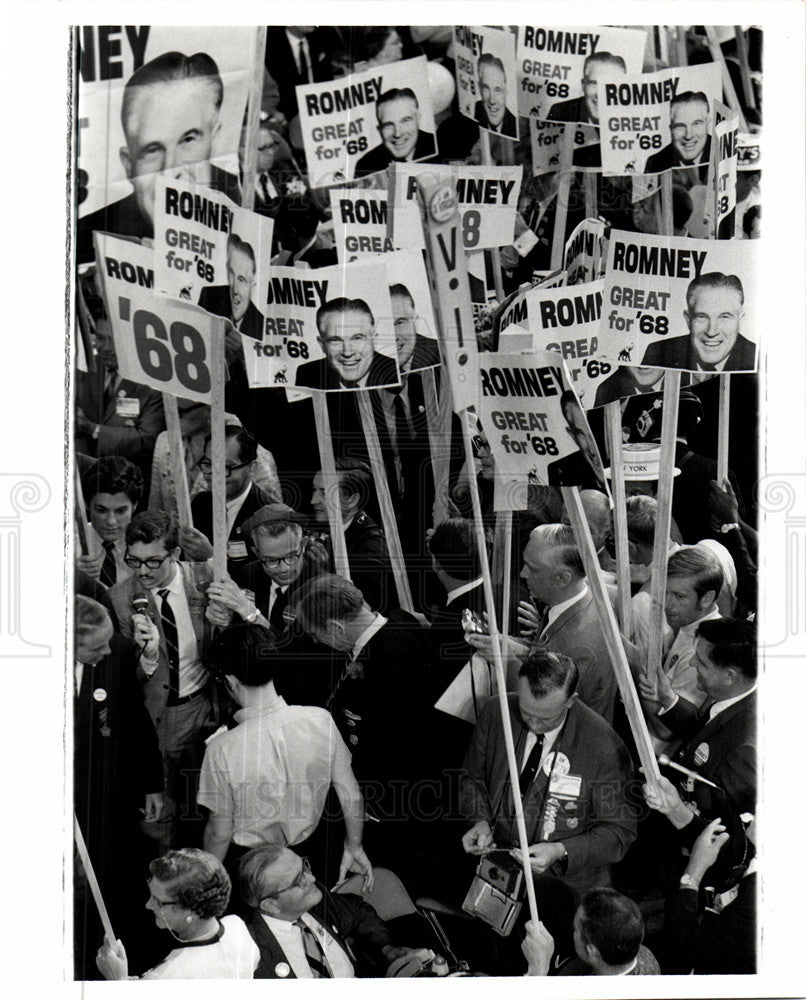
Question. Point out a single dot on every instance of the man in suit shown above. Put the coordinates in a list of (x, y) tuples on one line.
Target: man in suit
[(295, 55), (574, 778), (714, 313), (347, 337), (414, 351), (585, 109), (116, 770), (170, 117), (583, 467), (491, 112), (403, 141), (691, 143), (569, 622), (626, 381), (162, 608), (234, 300), (112, 490), (305, 932), (113, 415)]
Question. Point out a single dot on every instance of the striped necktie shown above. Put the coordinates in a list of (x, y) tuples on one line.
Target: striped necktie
[(314, 952), (171, 636), (109, 569)]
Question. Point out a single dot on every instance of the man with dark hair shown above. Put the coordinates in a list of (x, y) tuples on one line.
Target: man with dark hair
[(112, 488), (714, 313), (162, 608), (171, 116), (402, 140), (234, 300), (574, 773), (414, 351), (586, 108), (691, 141), (583, 467), (266, 780), (347, 338), (491, 112)]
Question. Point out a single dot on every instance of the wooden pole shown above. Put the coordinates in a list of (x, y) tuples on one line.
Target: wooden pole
[(666, 203), (617, 488), (438, 422), (731, 98), (388, 516), (503, 701), (89, 871), (744, 67), (487, 160), (249, 165), (563, 194), (615, 648), (682, 49), (176, 446), (591, 195), (504, 542), (218, 452), (328, 461), (724, 429)]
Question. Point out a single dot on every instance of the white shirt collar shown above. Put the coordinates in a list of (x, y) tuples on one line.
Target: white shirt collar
[(720, 706), (464, 589), (367, 634), (175, 586), (237, 502), (555, 611)]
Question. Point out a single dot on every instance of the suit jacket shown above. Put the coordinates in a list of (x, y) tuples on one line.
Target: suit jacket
[(509, 125), (577, 633), (619, 385), (379, 157), (353, 923), (370, 566), (124, 218), (678, 353), (282, 66), (425, 353), (319, 374), (201, 507), (216, 299), (573, 110), (127, 437), (668, 158), (155, 687), (596, 827), (573, 470), (446, 637)]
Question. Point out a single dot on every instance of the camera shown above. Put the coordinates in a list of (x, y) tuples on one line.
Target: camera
[(472, 623), (494, 893)]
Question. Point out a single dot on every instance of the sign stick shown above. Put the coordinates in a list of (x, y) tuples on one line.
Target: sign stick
[(326, 457), (613, 418), (388, 516), (81, 515), (176, 446), (438, 421), (744, 67), (666, 203), (680, 45), (253, 121), (218, 452), (561, 204), (591, 195), (506, 588), (615, 649), (514, 770), (89, 871), (487, 160), (724, 429), (85, 327), (728, 89)]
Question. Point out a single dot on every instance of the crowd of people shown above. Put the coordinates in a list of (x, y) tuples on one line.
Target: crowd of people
[(247, 744)]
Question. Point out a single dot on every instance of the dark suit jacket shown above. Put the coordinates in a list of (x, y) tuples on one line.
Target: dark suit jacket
[(573, 470), (668, 158), (201, 507), (578, 633), (425, 353), (216, 300), (320, 375), (282, 66), (124, 218), (596, 828), (509, 125), (619, 385), (353, 923), (370, 566), (446, 637), (379, 157), (128, 437), (678, 353), (573, 110)]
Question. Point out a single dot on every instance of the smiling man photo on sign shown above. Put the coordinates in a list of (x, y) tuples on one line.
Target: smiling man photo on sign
[(491, 111), (398, 114), (714, 313), (347, 337), (691, 142), (234, 300)]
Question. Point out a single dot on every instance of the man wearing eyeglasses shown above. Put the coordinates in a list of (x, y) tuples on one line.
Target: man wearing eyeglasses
[(398, 114), (162, 608)]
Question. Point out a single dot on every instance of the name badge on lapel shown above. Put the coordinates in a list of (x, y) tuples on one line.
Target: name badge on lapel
[(127, 406)]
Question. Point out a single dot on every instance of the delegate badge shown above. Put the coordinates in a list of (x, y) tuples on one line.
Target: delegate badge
[(557, 764), (701, 754)]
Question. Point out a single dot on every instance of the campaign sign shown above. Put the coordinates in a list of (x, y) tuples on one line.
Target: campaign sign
[(547, 145), (359, 223), (585, 252), (726, 159), (558, 68), (413, 319), (353, 345), (159, 342), (209, 250), (660, 121), (677, 302), (487, 198), (533, 421), (354, 125), (196, 81), (485, 78)]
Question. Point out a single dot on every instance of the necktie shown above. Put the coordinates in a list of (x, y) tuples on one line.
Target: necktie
[(276, 617), (264, 187), (109, 570), (303, 62), (402, 428), (172, 645), (314, 952), (109, 388), (530, 767)]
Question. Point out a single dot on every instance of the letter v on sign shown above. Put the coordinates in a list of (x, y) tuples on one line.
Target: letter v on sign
[(450, 291)]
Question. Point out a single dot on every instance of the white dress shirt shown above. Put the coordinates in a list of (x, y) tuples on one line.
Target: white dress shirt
[(192, 674), (289, 937)]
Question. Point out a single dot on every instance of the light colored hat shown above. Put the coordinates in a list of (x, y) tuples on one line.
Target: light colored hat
[(641, 462)]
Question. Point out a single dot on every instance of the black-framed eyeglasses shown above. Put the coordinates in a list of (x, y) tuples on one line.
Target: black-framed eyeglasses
[(290, 560), (298, 881), (161, 902), (205, 466), (134, 563)]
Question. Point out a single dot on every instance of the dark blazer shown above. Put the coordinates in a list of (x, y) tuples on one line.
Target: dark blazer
[(509, 125), (282, 66), (425, 353), (577, 632), (573, 110), (446, 637), (320, 375), (573, 470), (379, 157), (619, 385), (127, 437), (370, 566), (668, 157), (216, 300), (678, 353), (596, 828), (201, 507), (124, 218), (354, 924)]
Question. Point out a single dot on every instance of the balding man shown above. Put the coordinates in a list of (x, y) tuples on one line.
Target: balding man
[(233, 301), (398, 114)]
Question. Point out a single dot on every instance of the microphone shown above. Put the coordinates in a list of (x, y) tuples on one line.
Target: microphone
[(140, 603), (664, 761)]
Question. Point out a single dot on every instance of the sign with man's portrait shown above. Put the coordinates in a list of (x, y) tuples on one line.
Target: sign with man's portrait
[(485, 78)]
